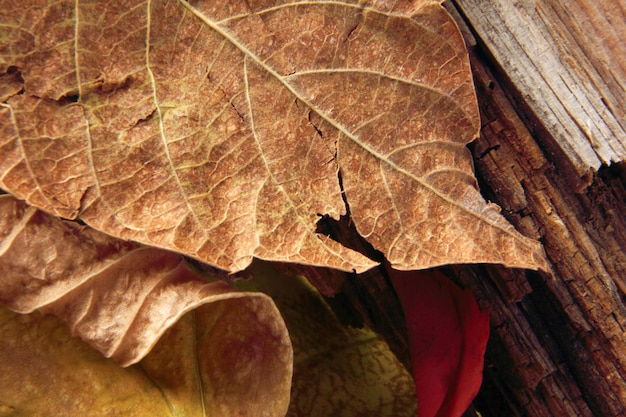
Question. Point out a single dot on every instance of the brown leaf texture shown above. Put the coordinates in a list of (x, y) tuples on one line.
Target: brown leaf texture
[(218, 128), (121, 298)]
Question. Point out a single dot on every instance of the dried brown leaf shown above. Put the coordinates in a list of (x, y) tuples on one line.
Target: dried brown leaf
[(122, 298), (218, 128)]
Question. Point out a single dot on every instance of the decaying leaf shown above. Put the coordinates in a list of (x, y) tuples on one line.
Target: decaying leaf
[(218, 128), (338, 370), (44, 371), (448, 337), (121, 298)]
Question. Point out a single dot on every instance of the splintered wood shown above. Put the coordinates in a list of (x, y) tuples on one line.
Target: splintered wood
[(568, 65)]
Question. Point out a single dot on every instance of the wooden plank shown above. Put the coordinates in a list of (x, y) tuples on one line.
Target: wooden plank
[(567, 63), (558, 342)]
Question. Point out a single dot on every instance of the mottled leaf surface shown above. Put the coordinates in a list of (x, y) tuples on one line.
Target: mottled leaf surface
[(218, 128), (338, 370), (121, 298)]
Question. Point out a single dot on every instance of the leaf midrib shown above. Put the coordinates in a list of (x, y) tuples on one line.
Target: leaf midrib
[(247, 52)]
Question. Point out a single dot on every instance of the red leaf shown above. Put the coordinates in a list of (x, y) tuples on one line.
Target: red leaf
[(448, 336)]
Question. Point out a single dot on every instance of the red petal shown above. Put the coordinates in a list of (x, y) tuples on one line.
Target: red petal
[(448, 336)]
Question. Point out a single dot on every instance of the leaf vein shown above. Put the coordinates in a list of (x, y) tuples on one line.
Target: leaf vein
[(247, 52), (160, 115), (34, 177)]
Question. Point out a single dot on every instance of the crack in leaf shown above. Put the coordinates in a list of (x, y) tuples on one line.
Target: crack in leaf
[(201, 125), (247, 52), (293, 205)]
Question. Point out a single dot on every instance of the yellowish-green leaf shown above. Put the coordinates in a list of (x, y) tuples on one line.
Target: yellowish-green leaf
[(338, 371), (193, 371), (44, 371)]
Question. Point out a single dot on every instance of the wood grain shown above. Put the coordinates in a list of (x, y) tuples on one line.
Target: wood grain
[(558, 345), (567, 65)]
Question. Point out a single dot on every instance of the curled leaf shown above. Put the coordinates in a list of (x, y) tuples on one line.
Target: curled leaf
[(448, 336), (218, 128), (338, 370), (121, 298), (44, 371)]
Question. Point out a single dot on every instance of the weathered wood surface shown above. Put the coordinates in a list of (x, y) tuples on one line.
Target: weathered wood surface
[(567, 62), (558, 344), (558, 339)]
